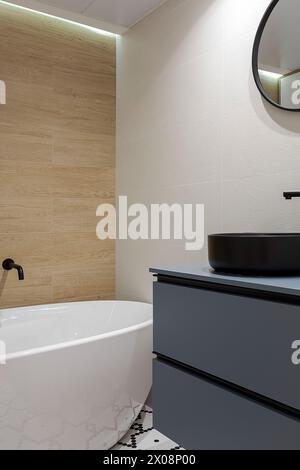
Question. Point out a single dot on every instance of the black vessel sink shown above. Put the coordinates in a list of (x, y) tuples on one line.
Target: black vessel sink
[(270, 254)]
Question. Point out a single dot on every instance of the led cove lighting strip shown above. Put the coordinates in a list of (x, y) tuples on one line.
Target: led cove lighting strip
[(91, 28), (270, 74)]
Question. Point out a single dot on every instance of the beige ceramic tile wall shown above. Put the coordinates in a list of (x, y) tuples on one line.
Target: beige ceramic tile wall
[(192, 127), (57, 159)]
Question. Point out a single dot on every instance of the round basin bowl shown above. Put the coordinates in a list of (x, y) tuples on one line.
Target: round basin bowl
[(271, 254)]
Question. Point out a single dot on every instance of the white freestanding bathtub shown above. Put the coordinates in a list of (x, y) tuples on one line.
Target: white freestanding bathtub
[(76, 375)]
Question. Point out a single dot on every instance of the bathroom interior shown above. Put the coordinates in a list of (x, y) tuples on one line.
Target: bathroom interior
[(128, 343)]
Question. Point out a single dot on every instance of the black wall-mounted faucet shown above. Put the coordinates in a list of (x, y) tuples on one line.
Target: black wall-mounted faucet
[(291, 194), (9, 264)]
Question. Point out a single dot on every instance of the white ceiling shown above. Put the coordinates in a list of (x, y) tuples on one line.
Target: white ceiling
[(114, 15)]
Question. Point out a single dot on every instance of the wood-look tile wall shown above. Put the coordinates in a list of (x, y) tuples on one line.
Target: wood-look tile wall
[(57, 159)]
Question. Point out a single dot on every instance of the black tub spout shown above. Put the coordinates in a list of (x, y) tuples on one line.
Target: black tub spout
[(9, 264)]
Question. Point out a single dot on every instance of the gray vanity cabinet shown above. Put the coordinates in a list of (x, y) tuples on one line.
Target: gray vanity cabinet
[(240, 339), (224, 369), (201, 415)]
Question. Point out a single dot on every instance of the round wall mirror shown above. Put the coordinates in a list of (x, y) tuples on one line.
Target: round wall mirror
[(276, 56)]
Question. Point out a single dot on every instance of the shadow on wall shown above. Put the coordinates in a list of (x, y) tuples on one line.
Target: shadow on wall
[(3, 282)]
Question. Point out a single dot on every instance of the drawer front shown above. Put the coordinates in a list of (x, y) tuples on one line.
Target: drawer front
[(239, 339), (200, 415)]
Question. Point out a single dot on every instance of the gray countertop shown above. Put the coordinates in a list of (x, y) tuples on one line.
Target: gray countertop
[(284, 285)]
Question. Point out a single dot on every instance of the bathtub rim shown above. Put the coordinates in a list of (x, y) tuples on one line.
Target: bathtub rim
[(78, 342)]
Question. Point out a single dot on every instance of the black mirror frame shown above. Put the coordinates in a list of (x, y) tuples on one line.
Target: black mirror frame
[(255, 57)]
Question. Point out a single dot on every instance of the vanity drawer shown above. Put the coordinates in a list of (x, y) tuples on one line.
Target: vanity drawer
[(201, 415), (243, 340)]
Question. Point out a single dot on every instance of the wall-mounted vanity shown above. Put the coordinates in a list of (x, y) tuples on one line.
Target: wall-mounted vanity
[(226, 374)]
